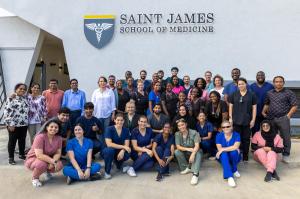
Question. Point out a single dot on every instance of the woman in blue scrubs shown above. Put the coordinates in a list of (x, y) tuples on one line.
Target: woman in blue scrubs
[(205, 130), (80, 154), (163, 150), (117, 139), (228, 143), (141, 140)]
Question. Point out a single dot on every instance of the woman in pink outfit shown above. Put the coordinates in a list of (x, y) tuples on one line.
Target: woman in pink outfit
[(267, 146)]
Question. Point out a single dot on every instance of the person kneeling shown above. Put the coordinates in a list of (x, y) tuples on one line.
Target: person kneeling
[(187, 152), (228, 143), (80, 151), (45, 153), (163, 150), (267, 146)]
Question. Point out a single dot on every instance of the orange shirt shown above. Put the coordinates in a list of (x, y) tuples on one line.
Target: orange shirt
[(53, 101)]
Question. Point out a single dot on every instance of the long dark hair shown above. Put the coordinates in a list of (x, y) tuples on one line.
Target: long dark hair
[(44, 128)]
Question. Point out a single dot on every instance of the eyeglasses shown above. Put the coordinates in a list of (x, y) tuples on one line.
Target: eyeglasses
[(226, 127)]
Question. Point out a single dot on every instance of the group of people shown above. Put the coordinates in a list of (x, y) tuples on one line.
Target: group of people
[(134, 124)]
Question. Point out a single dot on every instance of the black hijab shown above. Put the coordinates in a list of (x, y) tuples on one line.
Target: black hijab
[(268, 136)]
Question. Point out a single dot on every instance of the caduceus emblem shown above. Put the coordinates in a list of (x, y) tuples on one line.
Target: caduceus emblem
[(99, 28)]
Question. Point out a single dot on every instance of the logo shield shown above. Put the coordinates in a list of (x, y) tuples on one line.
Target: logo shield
[(99, 29)]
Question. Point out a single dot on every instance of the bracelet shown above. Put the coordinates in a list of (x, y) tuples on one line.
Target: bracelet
[(88, 167)]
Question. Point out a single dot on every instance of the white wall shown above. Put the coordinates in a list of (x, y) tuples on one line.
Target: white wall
[(19, 47), (252, 35)]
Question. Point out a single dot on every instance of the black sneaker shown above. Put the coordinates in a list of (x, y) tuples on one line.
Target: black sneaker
[(22, 157), (268, 177), (69, 180), (159, 177), (95, 177), (275, 175), (11, 161)]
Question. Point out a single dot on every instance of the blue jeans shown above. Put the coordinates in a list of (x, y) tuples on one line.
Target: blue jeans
[(71, 172), (110, 155), (163, 154), (229, 161)]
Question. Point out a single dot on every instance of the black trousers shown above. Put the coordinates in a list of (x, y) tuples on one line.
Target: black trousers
[(245, 133), (19, 134)]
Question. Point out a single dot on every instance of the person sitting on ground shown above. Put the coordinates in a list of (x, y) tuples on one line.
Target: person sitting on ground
[(91, 128), (205, 130), (228, 143), (163, 149), (80, 151), (141, 140), (44, 155), (267, 146), (118, 149), (187, 153)]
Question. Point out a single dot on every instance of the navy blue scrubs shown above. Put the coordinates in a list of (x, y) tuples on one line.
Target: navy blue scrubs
[(110, 154), (143, 161)]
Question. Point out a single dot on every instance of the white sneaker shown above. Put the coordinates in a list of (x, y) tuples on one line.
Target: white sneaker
[(131, 172), (107, 176), (231, 182), (237, 174), (285, 159), (186, 171), (36, 183), (125, 169), (194, 180), (47, 176)]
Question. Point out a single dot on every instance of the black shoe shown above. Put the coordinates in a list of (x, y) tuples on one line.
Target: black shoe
[(167, 174), (22, 157), (69, 180), (11, 161), (275, 175), (159, 177), (95, 177), (268, 177), (245, 158)]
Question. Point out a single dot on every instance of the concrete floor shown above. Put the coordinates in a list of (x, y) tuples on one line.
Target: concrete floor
[(16, 182)]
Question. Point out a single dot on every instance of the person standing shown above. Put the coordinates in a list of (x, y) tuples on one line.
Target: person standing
[(16, 121), (174, 72), (169, 101), (140, 99), (103, 99), (209, 83), (123, 97), (232, 87), (74, 99), (218, 85), (280, 105), (143, 76), (260, 89), (242, 114), (154, 97), (54, 98), (37, 110), (112, 86), (187, 84)]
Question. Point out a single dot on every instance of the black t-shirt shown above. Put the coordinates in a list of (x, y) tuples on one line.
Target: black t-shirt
[(214, 112), (170, 100), (242, 107), (123, 99), (141, 102), (197, 106), (133, 123), (191, 122)]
